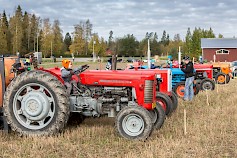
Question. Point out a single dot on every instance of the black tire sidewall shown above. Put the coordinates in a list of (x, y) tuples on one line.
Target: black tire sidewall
[(168, 102)]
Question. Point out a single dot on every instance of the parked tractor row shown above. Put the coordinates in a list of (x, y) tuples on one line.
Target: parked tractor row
[(35, 102)]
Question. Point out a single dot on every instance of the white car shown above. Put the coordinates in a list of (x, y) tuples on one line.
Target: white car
[(234, 68)]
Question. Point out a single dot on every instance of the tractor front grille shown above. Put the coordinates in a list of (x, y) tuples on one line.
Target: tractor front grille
[(148, 94)]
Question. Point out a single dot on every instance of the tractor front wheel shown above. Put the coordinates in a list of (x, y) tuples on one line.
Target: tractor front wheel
[(207, 84), (222, 78), (158, 116), (174, 99), (36, 103), (165, 102), (134, 123)]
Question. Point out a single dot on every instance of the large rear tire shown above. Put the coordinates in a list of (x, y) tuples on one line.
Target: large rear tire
[(207, 84), (134, 123), (36, 103), (179, 89)]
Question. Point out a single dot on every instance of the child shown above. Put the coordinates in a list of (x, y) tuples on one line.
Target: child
[(67, 72)]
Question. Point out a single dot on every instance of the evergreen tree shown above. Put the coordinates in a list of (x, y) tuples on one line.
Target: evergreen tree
[(16, 30), (3, 35), (220, 36), (67, 41), (188, 42), (5, 27), (110, 43), (196, 42), (128, 46), (34, 32), (163, 38), (25, 47), (210, 33)]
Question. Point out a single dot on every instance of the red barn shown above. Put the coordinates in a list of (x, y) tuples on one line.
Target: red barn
[(222, 49)]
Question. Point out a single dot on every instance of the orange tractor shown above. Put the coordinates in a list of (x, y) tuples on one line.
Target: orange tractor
[(222, 72), (5, 78)]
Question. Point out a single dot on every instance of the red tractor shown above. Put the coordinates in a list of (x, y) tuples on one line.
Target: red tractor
[(203, 76), (36, 102), (165, 96)]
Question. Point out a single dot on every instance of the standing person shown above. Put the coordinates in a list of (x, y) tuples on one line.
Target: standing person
[(188, 70)]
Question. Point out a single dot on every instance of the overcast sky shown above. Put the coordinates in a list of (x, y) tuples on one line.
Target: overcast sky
[(135, 16)]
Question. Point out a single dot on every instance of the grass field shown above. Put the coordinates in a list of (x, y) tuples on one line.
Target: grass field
[(211, 132)]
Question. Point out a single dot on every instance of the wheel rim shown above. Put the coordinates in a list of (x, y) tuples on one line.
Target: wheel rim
[(207, 85), (180, 90), (133, 125), (33, 106), (162, 103), (221, 79)]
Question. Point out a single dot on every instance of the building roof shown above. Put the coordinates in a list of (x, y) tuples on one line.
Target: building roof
[(219, 43)]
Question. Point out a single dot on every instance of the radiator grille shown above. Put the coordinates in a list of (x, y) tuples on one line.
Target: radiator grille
[(148, 94)]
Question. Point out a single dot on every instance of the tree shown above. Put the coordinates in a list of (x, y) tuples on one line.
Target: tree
[(57, 39), (78, 42), (34, 32), (3, 35), (25, 47), (16, 30), (188, 42), (163, 38), (67, 41), (47, 38), (128, 45), (110, 42), (99, 45), (220, 36), (210, 33), (88, 30), (196, 42)]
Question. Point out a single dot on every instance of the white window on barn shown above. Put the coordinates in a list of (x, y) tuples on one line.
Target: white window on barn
[(222, 51)]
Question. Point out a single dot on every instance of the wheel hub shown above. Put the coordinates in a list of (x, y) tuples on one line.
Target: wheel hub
[(207, 86), (133, 125), (35, 106)]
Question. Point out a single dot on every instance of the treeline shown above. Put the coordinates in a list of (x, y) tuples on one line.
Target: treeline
[(25, 32)]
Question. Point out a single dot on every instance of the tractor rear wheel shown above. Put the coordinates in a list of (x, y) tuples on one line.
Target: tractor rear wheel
[(165, 102), (207, 84), (36, 104), (222, 78), (179, 89), (134, 123), (158, 116)]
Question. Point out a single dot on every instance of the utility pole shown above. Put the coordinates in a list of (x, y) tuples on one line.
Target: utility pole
[(16, 39), (94, 48), (148, 55), (37, 41), (51, 49)]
